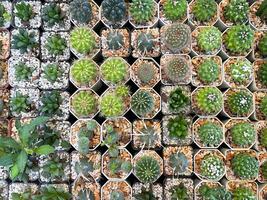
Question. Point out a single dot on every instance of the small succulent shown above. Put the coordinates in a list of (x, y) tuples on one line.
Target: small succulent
[(212, 167), (84, 166), (112, 105), (239, 39), (243, 134), (145, 42), (81, 11), (115, 40), (146, 72), (261, 12), (179, 192), (263, 138), (210, 134), (50, 103), (20, 103), (208, 100), (56, 45), (145, 195), (24, 41), (245, 166), (236, 11), (85, 194), (142, 11), (142, 102), (208, 71), (241, 71), (218, 193), (4, 15), (116, 165), (148, 136), (262, 46), (53, 169), (52, 72), (244, 193), (174, 9), (147, 169), (111, 139), (84, 103), (23, 72), (204, 10), (122, 91), (116, 195), (52, 14), (262, 74), (209, 39), (24, 11), (83, 40), (114, 10), (114, 70), (179, 162), (263, 169), (178, 100), (178, 127)]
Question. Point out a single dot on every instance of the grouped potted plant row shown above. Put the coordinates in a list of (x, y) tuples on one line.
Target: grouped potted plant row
[(62, 136)]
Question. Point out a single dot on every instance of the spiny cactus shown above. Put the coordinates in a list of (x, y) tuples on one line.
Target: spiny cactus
[(81, 11), (262, 10), (84, 71), (142, 11), (245, 166), (208, 71), (142, 102), (210, 134), (20, 103), (263, 169), (82, 40), (84, 103), (204, 10), (24, 11), (146, 72), (179, 162), (263, 45), (114, 10), (56, 45), (209, 39), (176, 37), (116, 195), (4, 15), (262, 74), (236, 11), (208, 100), (52, 72), (111, 105), (114, 70), (239, 39), (241, 71), (179, 192), (50, 103), (145, 42), (115, 40), (122, 91), (212, 167), (24, 41), (263, 138), (52, 14), (244, 193), (177, 100), (220, 192), (263, 106), (178, 127), (147, 169), (174, 9), (23, 72)]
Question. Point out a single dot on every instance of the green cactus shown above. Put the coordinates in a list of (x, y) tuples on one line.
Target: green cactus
[(179, 192), (112, 105), (52, 72), (262, 11), (262, 46), (243, 193), (208, 100), (116, 195), (114, 10), (52, 14), (210, 134), (146, 72), (241, 71), (174, 9), (148, 136), (239, 39), (84, 103), (114, 70), (263, 138), (178, 100), (50, 103), (115, 40), (4, 15), (56, 44), (236, 11), (145, 42), (212, 167), (179, 162), (262, 74), (142, 11), (209, 39), (240, 102), (83, 71), (245, 166), (23, 72), (142, 102), (24, 41), (204, 10), (83, 40), (209, 193), (122, 91), (176, 37), (243, 134), (24, 11), (178, 127), (263, 169), (81, 11), (147, 169), (20, 103), (208, 71)]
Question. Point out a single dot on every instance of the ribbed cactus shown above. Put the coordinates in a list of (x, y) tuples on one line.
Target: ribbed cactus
[(115, 40), (212, 167), (243, 193), (146, 72), (209, 39), (237, 11), (174, 9), (263, 45), (111, 105), (122, 91), (262, 10), (114, 10), (204, 10), (141, 11), (179, 162), (178, 100), (210, 134), (81, 11), (262, 74), (145, 42), (243, 134), (208, 71), (178, 127), (142, 102), (241, 71)]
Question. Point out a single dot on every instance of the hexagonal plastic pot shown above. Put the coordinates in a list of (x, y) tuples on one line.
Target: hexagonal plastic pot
[(116, 186), (173, 183), (156, 189), (254, 20), (255, 54), (260, 127), (257, 85), (4, 74), (250, 186), (197, 195)]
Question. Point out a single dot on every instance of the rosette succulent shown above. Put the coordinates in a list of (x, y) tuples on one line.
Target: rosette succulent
[(81, 11), (241, 71), (23, 72), (174, 9), (52, 72), (204, 10), (4, 15), (20, 103), (178, 100), (210, 134), (24, 11), (56, 44), (209, 193), (236, 11), (208, 71), (179, 192), (142, 102), (52, 14), (178, 127), (114, 10), (50, 103), (142, 11), (24, 41)]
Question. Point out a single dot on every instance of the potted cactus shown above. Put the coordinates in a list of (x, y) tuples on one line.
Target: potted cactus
[(145, 42), (260, 71), (4, 43), (115, 42), (261, 143), (3, 74), (207, 71), (146, 134), (5, 16), (178, 161), (4, 103), (116, 190), (260, 105), (146, 191), (246, 190), (208, 132), (257, 15), (260, 45), (145, 73), (175, 69)]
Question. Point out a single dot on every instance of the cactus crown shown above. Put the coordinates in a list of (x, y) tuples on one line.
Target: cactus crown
[(178, 127), (208, 71), (146, 72), (115, 40), (114, 70), (4, 15), (114, 10), (179, 162), (52, 72), (174, 9), (177, 69), (81, 11), (84, 103), (212, 167), (142, 102), (176, 36), (263, 106), (237, 11), (116, 195), (142, 11), (50, 103), (244, 193), (179, 192), (52, 14), (145, 42), (241, 71), (147, 169), (245, 166), (56, 45), (24, 41), (263, 45), (84, 71), (239, 38), (20, 103), (209, 39), (208, 100), (262, 74), (24, 11), (210, 134), (243, 134), (261, 12), (178, 100), (263, 138), (82, 40), (112, 105), (204, 10), (240, 102), (207, 192), (23, 72)]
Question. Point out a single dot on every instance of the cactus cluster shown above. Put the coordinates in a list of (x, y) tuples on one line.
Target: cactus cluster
[(208, 71), (24, 11), (209, 39), (178, 100), (142, 102), (236, 11), (56, 44), (50, 103), (146, 72), (23, 72), (81, 11), (174, 9), (20, 103), (115, 40), (244, 193), (262, 11), (52, 72), (204, 10), (262, 46), (262, 74), (210, 134), (141, 11), (52, 14), (179, 162), (178, 127), (114, 10), (263, 138), (241, 71), (212, 167), (145, 42), (25, 41)]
